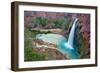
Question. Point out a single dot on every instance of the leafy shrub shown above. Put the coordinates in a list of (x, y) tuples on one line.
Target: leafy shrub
[(41, 21), (29, 54), (61, 23)]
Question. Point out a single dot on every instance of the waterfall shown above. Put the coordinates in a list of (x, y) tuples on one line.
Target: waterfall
[(71, 35), (67, 48)]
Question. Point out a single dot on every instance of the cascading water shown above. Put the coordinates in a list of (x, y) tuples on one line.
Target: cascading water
[(64, 46), (72, 33), (67, 48)]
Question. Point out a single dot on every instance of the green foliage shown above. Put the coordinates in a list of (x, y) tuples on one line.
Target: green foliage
[(61, 23), (65, 24), (41, 21), (57, 23), (29, 54)]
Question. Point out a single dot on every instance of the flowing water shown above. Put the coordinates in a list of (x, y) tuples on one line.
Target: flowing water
[(72, 33), (67, 48)]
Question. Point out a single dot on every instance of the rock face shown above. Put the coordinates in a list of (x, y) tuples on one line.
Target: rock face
[(28, 18), (85, 30), (48, 50)]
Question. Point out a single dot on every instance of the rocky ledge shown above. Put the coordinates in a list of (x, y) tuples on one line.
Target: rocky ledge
[(48, 50)]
